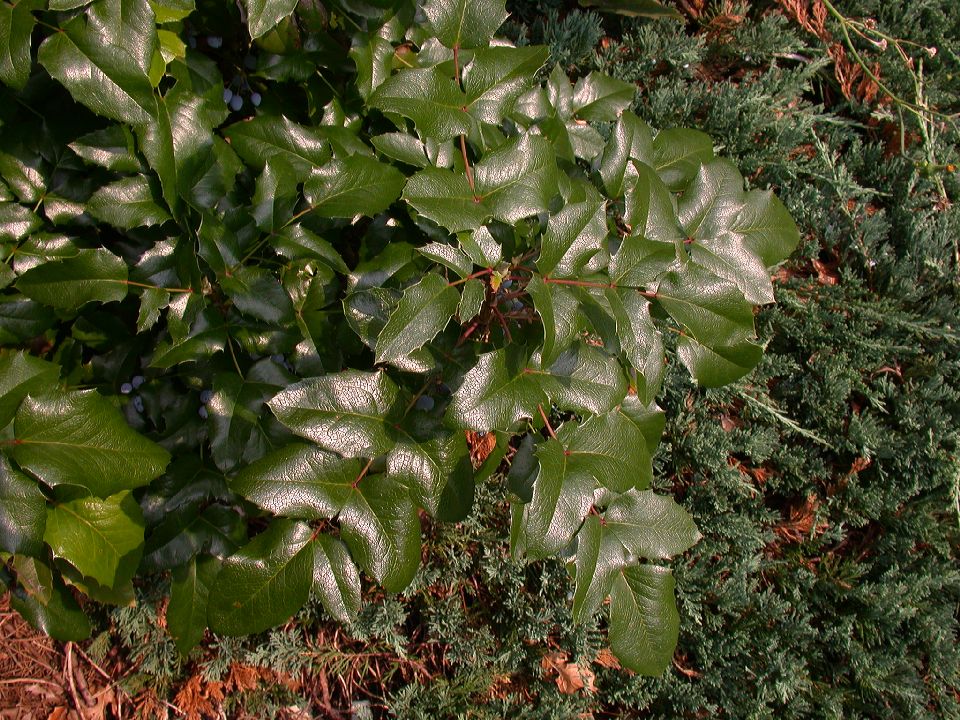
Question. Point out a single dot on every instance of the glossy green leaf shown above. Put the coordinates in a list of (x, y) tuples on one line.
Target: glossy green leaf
[(105, 77), (423, 311), (356, 185), (428, 97), (128, 25), (610, 448), (600, 556), (765, 227), (640, 341), (601, 98), (573, 236), (582, 379), (472, 294), (465, 23), (35, 577), (189, 597), (80, 438), (206, 336), (267, 136), (191, 529), (677, 153), (712, 309), (718, 365), (16, 27), (299, 481), (449, 256), (275, 196), (381, 527), (111, 147), (298, 242), (644, 623), (16, 222), (436, 470), (446, 198), (403, 147), (517, 180), (499, 391), (559, 309), (345, 412), (496, 76), (631, 140), (257, 293), (102, 538), (374, 59), (651, 526), (127, 203), (90, 276), (265, 582), (264, 15), (23, 512), (562, 497), (235, 409), (336, 579), (20, 375)]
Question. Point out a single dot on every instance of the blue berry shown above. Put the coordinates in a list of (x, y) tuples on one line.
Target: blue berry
[(126, 388), (227, 95), (138, 404), (425, 402), (507, 284), (517, 305), (205, 396), (202, 412), (236, 102), (256, 99), (137, 381), (214, 41)]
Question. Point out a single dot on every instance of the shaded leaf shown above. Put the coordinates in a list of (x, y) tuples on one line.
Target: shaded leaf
[(264, 15), (189, 596), (20, 375)]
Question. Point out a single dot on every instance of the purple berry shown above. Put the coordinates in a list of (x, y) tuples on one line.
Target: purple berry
[(137, 381), (227, 95), (425, 402), (205, 396), (214, 41), (138, 404), (126, 388), (255, 99), (202, 412), (236, 102)]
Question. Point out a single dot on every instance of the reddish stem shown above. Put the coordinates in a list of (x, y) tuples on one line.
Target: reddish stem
[(546, 422)]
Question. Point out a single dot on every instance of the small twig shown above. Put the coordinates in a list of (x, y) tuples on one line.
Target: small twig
[(546, 422), (68, 671)]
